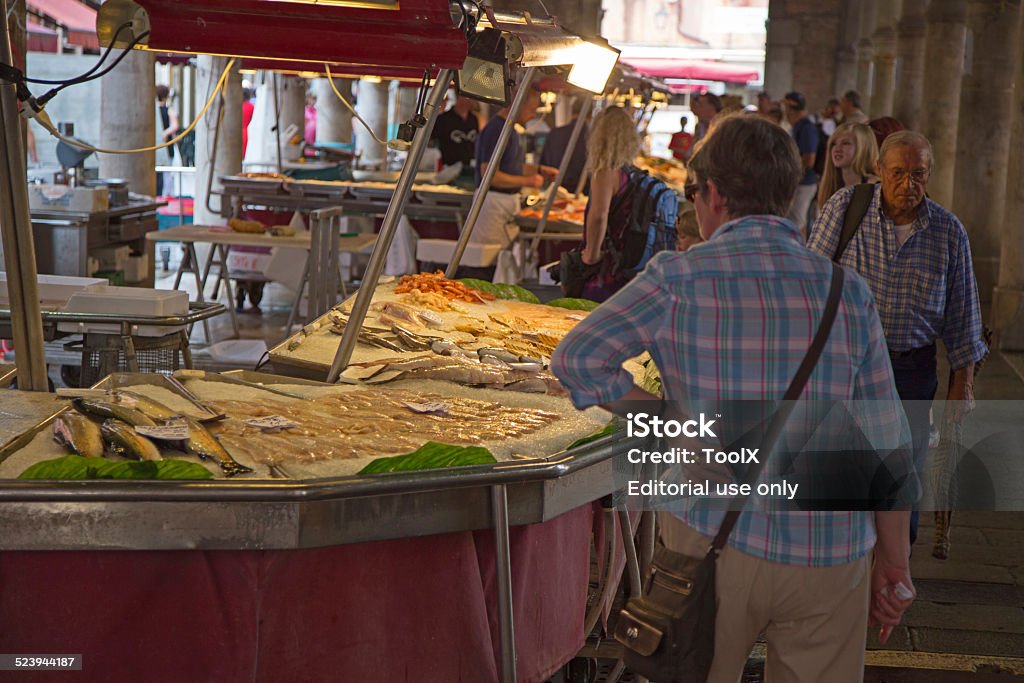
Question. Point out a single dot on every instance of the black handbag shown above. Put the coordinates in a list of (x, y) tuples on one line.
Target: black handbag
[(574, 273), (669, 630)]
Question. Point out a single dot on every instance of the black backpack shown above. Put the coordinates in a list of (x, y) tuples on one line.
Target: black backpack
[(648, 227)]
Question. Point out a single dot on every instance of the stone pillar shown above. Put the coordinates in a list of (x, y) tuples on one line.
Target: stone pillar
[(372, 105), (227, 158), (846, 55), (333, 119), (944, 65), (866, 53), (128, 121), (293, 113), (783, 37), (884, 41), (1008, 298), (983, 139), (913, 37)]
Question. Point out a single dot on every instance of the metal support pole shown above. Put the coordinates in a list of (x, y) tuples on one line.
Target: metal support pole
[(492, 167), (503, 579), (577, 132), (388, 228), (16, 234)]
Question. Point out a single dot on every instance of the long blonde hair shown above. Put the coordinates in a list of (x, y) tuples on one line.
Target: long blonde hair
[(614, 141), (865, 159)]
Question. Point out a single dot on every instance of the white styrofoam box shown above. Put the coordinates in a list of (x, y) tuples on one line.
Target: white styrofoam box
[(64, 198), (440, 251), (54, 289), (112, 258), (126, 301), (136, 269)]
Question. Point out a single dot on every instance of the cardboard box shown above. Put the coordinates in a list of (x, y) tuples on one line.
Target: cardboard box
[(64, 198)]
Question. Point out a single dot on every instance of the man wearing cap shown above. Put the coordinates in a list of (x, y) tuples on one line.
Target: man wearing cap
[(806, 135)]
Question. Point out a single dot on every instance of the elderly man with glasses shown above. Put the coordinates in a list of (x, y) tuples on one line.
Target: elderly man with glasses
[(916, 258)]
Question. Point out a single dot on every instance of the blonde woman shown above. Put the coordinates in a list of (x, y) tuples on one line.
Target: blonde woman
[(613, 145), (851, 159)]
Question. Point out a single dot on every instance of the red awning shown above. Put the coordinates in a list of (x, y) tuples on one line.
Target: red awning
[(42, 39), (692, 69), (338, 70), (412, 33), (78, 18)]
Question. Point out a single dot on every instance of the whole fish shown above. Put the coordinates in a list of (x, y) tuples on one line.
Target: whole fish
[(152, 409), (203, 444), (125, 442), (78, 433), (111, 409)]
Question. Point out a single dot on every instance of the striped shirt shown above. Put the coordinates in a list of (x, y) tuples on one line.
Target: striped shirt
[(925, 289), (731, 319)]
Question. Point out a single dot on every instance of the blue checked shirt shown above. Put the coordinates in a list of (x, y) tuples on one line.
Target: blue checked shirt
[(731, 319), (924, 290)]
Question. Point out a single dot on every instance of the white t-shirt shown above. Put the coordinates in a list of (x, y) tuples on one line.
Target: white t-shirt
[(902, 233)]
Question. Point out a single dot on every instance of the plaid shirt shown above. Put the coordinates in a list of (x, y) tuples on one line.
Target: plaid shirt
[(925, 290), (731, 319)]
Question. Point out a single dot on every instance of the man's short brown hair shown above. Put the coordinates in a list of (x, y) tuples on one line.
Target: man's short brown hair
[(755, 165)]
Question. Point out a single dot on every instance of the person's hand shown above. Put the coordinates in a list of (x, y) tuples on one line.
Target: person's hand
[(960, 399), (536, 180), (548, 172), (889, 580)]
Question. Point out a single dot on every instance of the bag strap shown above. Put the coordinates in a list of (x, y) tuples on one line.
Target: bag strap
[(796, 388), (855, 212)]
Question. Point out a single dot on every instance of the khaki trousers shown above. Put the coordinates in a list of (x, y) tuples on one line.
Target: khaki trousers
[(815, 619)]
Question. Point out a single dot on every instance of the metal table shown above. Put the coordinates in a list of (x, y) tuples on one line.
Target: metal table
[(64, 238)]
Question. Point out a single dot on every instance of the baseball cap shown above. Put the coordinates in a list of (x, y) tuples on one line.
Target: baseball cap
[(795, 100)]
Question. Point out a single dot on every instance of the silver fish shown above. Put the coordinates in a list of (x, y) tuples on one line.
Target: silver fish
[(115, 410), (78, 433), (154, 409), (500, 354), (203, 444), (125, 442)]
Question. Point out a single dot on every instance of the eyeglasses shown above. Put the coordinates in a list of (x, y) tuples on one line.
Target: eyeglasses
[(690, 191), (919, 176)]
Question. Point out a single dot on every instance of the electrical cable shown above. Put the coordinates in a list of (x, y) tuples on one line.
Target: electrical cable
[(50, 94), (350, 107), (44, 120), (84, 77)]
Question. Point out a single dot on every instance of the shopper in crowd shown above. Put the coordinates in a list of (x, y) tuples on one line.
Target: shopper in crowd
[(681, 144), (851, 159), (309, 129), (884, 127), (764, 104), (806, 135), (168, 126), (916, 257), (455, 133), (613, 146), (705, 106), (808, 593), (494, 225), (247, 111), (830, 115), (849, 104), (687, 229), (558, 142)]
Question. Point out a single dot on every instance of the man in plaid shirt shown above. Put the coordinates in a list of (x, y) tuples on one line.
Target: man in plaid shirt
[(916, 258), (731, 319)]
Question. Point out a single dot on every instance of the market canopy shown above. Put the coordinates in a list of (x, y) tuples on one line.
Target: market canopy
[(692, 69), (76, 17), (41, 38), (415, 33)]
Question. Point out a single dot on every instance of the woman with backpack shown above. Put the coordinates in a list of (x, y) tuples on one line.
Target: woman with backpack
[(850, 160), (608, 252)]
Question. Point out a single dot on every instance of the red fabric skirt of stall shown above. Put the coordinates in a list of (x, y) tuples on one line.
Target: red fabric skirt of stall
[(420, 609)]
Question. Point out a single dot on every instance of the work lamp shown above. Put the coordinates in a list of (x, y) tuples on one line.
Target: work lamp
[(485, 74)]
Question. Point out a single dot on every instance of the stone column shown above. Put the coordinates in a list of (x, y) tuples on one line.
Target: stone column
[(227, 158), (846, 55), (128, 121), (983, 139), (783, 37), (1008, 298), (884, 41), (866, 53), (940, 111), (333, 119), (913, 37), (372, 105), (293, 113)]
